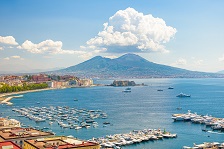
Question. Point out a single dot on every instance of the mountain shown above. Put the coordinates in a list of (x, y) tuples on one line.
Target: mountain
[(129, 66), (221, 72)]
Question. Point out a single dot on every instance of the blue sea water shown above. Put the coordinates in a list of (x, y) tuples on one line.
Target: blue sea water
[(143, 108)]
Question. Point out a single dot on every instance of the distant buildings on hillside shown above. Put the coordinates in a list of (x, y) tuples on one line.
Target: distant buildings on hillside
[(53, 81)]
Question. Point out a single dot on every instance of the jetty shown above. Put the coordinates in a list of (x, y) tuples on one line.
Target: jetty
[(6, 101), (133, 137)]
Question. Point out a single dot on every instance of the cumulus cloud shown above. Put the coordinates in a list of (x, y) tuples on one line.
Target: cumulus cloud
[(8, 40), (47, 46), (132, 30), (221, 59), (1, 48)]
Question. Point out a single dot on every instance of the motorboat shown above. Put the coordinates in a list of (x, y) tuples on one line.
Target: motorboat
[(127, 90), (170, 87), (183, 95)]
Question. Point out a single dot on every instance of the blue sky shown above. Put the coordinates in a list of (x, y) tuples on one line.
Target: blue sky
[(49, 34)]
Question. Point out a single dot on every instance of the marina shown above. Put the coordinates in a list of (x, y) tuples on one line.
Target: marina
[(206, 145), (133, 137), (213, 123), (65, 117)]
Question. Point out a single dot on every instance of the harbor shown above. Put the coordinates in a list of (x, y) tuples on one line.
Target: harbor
[(65, 117), (143, 108)]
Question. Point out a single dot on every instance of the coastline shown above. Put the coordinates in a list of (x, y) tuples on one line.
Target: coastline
[(2, 96)]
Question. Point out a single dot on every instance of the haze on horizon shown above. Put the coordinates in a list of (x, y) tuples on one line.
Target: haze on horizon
[(42, 35)]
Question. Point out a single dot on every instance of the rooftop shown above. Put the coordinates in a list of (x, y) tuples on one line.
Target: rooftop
[(15, 133), (8, 145), (59, 142)]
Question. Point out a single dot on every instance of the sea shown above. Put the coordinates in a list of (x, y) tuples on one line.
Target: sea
[(143, 108)]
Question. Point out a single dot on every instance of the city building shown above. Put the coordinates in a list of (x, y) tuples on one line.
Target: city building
[(59, 142), (58, 84), (85, 82), (8, 123), (40, 78), (9, 145), (17, 135)]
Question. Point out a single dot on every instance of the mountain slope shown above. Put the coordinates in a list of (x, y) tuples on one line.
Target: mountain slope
[(130, 66)]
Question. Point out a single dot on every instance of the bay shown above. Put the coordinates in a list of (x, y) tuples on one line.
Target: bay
[(143, 108)]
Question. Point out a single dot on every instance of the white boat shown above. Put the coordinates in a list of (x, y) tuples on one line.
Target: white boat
[(183, 95), (127, 90)]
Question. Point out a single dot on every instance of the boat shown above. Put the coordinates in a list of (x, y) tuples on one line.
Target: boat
[(127, 90), (183, 95), (75, 99), (159, 90), (170, 87)]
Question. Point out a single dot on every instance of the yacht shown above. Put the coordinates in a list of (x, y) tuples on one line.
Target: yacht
[(183, 95), (127, 90)]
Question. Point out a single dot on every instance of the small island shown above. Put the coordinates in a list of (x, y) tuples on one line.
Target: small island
[(117, 83)]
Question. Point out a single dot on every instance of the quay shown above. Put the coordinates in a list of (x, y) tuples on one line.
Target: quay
[(133, 137), (213, 122)]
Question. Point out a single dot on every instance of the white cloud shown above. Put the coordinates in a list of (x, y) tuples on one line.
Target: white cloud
[(111, 56), (221, 59), (1, 48), (47, 46), (135, 31), (14, 57), (181, 62), (8, 40)]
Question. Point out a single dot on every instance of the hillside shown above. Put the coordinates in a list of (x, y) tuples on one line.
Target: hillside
[(130, 66)]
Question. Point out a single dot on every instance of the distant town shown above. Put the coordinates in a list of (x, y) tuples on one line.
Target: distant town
[(14, 83)]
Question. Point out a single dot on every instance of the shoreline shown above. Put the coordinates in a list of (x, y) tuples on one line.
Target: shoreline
[(2, 96)]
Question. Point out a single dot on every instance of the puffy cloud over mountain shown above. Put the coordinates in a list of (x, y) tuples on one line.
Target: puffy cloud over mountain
[(133, 31)]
